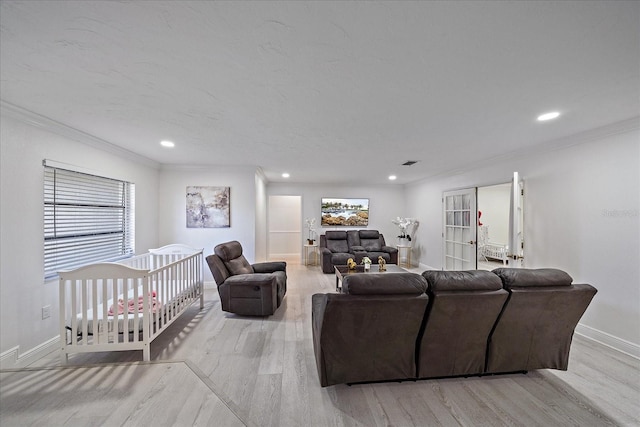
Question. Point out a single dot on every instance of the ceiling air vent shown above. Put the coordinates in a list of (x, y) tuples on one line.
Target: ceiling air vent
[(410, 162)]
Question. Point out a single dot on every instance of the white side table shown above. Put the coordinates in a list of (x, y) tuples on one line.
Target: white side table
[(308, 251), (404, 251)]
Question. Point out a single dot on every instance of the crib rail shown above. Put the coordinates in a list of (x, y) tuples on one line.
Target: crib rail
[(180, 283)]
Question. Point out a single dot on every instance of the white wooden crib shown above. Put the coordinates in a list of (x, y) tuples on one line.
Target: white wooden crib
[(488, 249), (126, 305), (496, 251)]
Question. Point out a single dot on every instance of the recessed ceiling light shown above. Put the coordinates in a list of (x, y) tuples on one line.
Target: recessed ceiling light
[(285, 175), (392, 177), (167, 144), (548, 116)]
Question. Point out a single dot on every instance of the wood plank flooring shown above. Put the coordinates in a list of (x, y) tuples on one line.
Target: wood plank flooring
[(216, 369)]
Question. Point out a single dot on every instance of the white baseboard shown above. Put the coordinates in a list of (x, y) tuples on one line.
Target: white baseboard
[(292, 258), (609, 340), (12, 359), (427, 267)]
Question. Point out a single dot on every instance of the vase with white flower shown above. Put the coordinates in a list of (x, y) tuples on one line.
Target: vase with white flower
[(311, 222), (366, 261), (404, 238)]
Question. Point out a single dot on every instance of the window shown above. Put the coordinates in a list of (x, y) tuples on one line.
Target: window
[(87, 219)]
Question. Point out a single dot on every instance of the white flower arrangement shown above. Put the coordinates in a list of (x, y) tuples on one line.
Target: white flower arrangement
[(366, 260), (404, 224), (311, 222)]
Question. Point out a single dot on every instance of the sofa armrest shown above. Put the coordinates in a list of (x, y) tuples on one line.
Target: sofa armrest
[(318, 307), (269, 267), (393, 253)]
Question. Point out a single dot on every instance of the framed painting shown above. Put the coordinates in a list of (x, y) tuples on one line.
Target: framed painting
[(208, 207), (344, 212)]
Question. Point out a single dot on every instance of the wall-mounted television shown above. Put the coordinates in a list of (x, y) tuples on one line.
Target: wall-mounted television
[(344, 212)]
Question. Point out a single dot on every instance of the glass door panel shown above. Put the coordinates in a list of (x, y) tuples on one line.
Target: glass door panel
[(459, 231)]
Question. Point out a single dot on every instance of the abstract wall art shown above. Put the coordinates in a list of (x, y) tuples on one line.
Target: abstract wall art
[(208, 207)]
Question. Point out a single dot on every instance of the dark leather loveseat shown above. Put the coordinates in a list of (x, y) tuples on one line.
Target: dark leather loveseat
[(336, 247), (405, 326), (247, 289)]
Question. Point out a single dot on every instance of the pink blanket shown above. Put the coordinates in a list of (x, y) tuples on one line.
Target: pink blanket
[(131, 303)]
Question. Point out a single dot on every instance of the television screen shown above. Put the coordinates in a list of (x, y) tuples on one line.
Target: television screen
[(344, 212)]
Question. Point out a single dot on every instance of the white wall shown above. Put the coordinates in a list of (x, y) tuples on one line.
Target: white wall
[(581, 215), (23, 291), (174, 181), (386, 202)]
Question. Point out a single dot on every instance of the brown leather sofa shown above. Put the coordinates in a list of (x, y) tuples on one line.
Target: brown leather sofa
[(393, 326), (247, 289), (336, 247)]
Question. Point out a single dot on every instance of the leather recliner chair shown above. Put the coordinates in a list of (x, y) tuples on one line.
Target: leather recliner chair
[(247, 289)]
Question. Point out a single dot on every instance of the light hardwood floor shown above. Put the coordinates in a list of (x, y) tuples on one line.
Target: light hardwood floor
[(216, 369)]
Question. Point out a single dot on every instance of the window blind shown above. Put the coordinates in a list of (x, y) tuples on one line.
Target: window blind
[(87, 218)]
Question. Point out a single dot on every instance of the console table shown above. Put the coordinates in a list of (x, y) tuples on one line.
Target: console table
[(404, 250), (308, 251)]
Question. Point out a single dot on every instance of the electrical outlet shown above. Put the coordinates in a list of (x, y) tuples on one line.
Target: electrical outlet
[(46, 312)]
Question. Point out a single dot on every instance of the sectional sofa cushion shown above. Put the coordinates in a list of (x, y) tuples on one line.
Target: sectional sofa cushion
[(337, 241), (370, 240), (536, 326), (384, 284), (472, 280), (523, 278), (464, 308)]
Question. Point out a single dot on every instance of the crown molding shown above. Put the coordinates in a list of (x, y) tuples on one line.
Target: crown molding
[(209, 167), (33, 119), (262, 175)]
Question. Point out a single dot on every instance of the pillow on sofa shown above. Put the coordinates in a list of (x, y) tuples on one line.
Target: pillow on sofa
[(384, 284), (523, 277)]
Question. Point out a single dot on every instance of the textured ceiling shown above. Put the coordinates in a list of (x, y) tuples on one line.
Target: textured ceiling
[(331, 92)]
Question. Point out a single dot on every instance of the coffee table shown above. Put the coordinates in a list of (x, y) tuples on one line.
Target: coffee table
[(343, 270)]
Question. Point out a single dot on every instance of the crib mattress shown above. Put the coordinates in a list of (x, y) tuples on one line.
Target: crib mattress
[(108, 324)]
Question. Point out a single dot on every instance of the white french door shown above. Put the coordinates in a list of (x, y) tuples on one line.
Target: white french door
[(459, 233)]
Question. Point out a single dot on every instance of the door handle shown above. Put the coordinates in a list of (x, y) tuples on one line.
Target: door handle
[(471, 242)]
